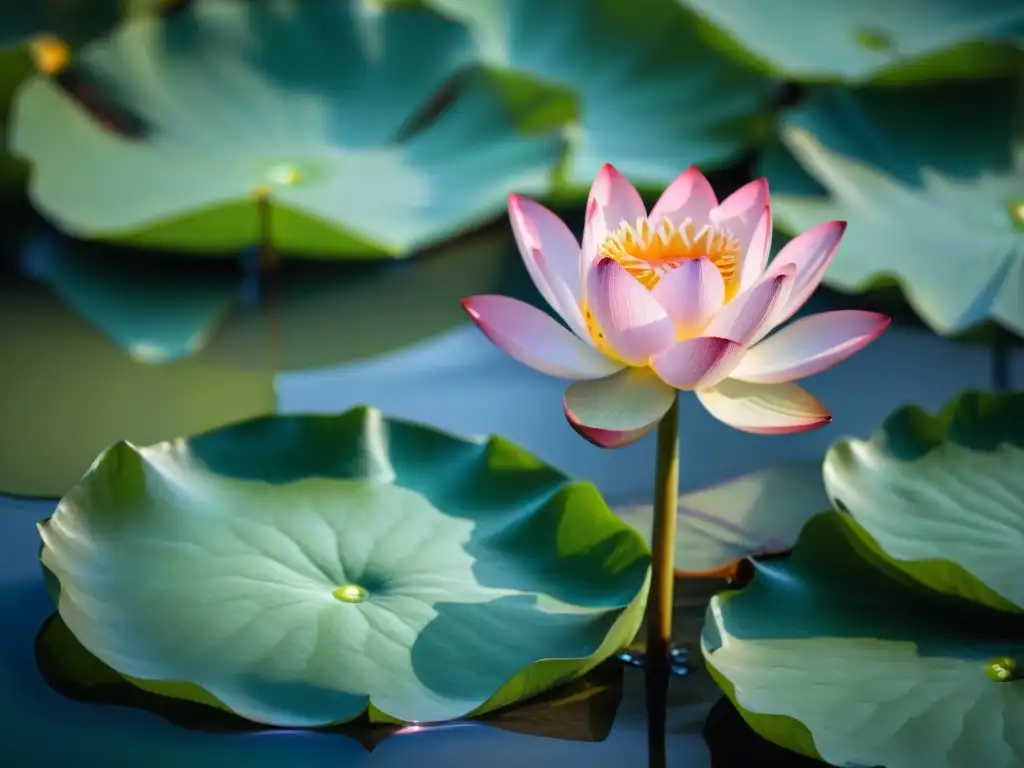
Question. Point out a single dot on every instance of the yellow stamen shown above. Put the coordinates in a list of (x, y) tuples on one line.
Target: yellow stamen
[(50, 54), (648, 252)]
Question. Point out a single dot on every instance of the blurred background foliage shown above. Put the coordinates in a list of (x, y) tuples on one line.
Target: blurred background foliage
[(201, 194)]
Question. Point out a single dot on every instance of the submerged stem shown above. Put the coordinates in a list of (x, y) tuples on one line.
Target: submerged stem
[(1001, 354), (658, 661)]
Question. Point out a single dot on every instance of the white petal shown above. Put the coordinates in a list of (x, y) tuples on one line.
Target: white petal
[(810, 255), (634, 324), (691, 294), (699, 362), (620, 409), (612, 202), (535, 339), (745, 316), (551, 255), (690, 196), (810, 345), (746, 213), (764, 409)]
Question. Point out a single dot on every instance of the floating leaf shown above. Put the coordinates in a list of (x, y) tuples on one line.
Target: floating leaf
[(826, 655), (652, 96), (68, 391), (371, 566), (932, 189), (583, 710), (265, 124), (942, 496), (870, 39), (754, 514)]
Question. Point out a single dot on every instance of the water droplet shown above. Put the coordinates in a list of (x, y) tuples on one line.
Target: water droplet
[(679, 665), (284, 174), (350, 593), (50, 54), (1016, 209), (1002, 670)]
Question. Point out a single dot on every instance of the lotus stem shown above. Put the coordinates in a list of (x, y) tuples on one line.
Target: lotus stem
[(1001, 353), (658, 658)]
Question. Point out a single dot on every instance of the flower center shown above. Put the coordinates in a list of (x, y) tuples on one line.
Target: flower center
[(648, 252), (350, 593)]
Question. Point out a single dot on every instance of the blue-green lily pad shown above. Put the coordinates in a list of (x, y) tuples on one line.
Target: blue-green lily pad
[(304, 570), (942, 496), (651, 96), (870, 39), (758, 513), (828, 656), (264, 123), (933, 189)]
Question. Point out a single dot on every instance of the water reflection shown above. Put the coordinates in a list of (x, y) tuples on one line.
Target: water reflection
[(106, 343)]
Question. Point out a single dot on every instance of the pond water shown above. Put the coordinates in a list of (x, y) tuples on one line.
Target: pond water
[(453, 379)]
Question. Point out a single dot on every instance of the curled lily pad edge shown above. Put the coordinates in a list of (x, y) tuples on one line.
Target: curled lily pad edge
[(537, 678), (941, 576)]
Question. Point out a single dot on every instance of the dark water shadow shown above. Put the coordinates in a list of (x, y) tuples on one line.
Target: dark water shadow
[(733, 744)]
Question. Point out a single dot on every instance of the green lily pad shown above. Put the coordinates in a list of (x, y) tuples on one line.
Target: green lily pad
[(305, 570), (870, 39), (758, 513), (583, 710), (934, 196), (68, 391), (826, 655), (264, 124), (942, 496), (650, 95)]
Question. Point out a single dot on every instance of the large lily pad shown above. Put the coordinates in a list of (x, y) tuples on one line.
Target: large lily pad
[(264, 123), (942, 496), (870, 39), (828, 656), (933, 188), (649, 94), (301, 571), (758, 513)]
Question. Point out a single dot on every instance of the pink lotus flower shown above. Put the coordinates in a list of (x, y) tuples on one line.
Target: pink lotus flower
[(678, 299)]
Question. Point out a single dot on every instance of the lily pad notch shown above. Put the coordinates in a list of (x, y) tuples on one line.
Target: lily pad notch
[(302, 571)]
